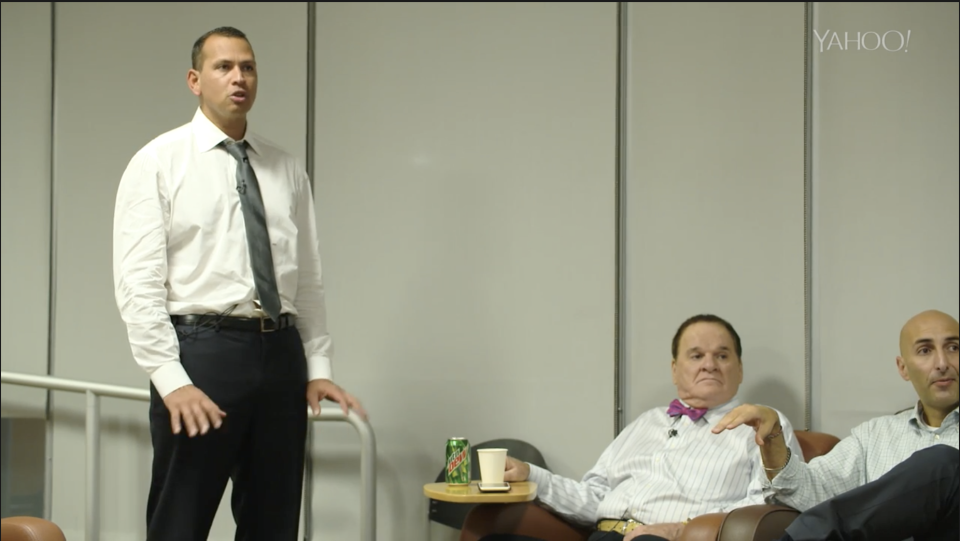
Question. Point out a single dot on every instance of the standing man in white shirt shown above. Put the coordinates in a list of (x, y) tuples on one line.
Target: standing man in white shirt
[(217, 276), (894, 477), (667, 467)]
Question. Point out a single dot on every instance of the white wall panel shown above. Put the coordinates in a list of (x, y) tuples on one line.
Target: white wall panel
[(465, 186), (25, 172), (121, 80), (886, 196), (715, 191), (465, 167)]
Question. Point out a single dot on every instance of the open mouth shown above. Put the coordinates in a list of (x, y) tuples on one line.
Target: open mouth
[(238, 96)]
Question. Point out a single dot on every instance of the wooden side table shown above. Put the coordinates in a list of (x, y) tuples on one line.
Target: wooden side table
[(519, 492)]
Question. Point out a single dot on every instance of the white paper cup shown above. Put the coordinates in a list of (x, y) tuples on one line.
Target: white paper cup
[(492, 464)]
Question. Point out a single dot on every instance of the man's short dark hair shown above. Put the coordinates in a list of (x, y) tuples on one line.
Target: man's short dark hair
[(196, 57), (706, 318)]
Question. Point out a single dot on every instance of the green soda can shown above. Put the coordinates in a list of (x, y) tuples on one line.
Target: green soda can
[(458, 461)]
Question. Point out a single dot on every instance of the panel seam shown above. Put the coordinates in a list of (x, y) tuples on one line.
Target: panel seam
[(808, 215), (52, 278), (620, 334)]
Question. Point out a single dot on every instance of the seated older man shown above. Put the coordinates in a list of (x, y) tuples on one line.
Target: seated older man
[(895, 477), (667, 467)]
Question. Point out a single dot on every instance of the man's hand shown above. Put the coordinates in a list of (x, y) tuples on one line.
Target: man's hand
[(763, 420), (320, 389), (515, 470), (191, 407), (769, 434), (668, 530)]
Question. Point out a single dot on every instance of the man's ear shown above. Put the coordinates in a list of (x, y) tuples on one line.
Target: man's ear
[(193, 81), (902, 368), (673, 371)]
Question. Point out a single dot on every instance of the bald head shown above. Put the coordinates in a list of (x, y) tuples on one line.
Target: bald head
[(929, 351), (919, 326)]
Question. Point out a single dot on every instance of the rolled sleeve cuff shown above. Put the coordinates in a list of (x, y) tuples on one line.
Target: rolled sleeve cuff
[(783, 483), (539, 476), (786, 476), (169, 377), (319, 368)]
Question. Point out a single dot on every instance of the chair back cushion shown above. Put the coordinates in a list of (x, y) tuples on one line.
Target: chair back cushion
[(815, 444), (29, 529)]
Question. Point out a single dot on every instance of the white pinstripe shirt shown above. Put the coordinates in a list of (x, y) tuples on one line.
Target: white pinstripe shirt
[(651, 477), (872, 449)]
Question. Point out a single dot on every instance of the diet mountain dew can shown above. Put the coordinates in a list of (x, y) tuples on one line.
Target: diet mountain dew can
[(458, 461)]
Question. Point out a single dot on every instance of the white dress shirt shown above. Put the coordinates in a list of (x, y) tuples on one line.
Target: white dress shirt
[(872, 449), (651, 476), (180, 247)]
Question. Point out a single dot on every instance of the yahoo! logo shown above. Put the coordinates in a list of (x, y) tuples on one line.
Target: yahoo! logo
[(891, 41)]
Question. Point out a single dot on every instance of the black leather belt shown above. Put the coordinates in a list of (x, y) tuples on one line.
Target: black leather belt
[(252, 324)]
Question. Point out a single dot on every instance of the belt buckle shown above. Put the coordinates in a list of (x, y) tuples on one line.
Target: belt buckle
[(264, 317), (623, 525), (258, 311)]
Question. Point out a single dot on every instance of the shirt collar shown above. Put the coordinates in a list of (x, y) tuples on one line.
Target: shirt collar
[(917, 418), (207, 135), (716, 413)]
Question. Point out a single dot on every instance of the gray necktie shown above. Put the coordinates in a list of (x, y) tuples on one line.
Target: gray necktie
[(258, 240)]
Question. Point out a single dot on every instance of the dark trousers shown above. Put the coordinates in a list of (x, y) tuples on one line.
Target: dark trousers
[(917, 498), (614, 536), (259, 380), (595, 536)]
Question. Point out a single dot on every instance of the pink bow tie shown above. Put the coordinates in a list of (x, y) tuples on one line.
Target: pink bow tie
[(677, 408)]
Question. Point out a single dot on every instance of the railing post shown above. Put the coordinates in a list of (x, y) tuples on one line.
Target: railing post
[(95, 391), (308, 485), (368, 480), (93, 467)]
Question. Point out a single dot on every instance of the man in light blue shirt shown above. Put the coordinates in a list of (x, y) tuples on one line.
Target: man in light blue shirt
[(894, 477)]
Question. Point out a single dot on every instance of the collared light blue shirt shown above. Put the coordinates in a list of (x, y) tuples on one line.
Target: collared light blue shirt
[(872, 449)]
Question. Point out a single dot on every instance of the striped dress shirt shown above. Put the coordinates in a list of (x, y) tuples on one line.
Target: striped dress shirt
[(664, 469), (872, 449)]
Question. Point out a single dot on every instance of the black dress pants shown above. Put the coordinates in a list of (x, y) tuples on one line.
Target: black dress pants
[(259, 380), (917, 498), (595, 536)]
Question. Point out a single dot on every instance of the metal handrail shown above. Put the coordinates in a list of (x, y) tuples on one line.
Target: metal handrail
[(94, 391)]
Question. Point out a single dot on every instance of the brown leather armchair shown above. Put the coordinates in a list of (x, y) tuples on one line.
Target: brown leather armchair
[(752, 523), (29, 529)]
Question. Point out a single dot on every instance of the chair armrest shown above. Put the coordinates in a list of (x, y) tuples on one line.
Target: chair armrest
[(703, 528), (757, 523), (29, 529), (519, 519)]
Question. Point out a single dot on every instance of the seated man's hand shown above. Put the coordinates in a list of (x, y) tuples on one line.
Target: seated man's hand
[(764, 420), (515, 470), (668, 530)]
